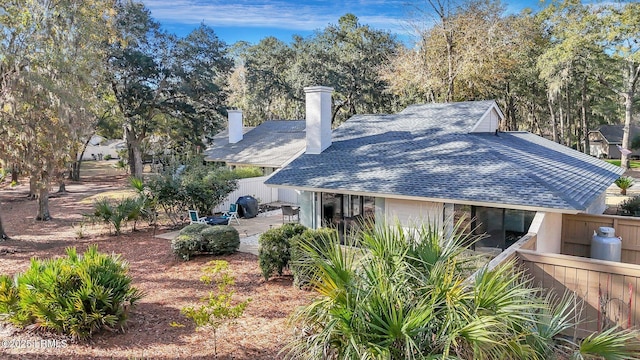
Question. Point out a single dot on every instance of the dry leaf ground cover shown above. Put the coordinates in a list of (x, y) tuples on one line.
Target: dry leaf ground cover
[(156, 329)]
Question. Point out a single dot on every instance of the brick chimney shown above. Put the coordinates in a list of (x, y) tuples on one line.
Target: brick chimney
[(235, 126), (318, 117)]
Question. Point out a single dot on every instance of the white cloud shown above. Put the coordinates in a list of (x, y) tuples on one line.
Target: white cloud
[(281, 14)]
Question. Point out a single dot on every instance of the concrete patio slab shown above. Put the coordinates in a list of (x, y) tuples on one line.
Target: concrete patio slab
[(249, 230)]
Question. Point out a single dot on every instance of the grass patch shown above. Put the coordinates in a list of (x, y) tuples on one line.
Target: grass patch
[(635, 164), (115, 195)]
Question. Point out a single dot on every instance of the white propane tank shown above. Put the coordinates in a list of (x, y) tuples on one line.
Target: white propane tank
[(605, 245)]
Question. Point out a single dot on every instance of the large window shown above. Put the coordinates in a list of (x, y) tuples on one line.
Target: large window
[(502, 227), (347, 212)]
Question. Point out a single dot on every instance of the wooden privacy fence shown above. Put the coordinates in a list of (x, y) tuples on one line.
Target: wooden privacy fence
[(577, 231), (608, 289), (255, 187)]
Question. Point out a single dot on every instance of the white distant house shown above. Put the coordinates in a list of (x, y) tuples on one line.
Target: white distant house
[(99, 147), (431, 161)]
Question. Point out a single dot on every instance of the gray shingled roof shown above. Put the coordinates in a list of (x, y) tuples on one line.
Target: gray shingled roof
[(426, 151), (269, 144), (613, 133)]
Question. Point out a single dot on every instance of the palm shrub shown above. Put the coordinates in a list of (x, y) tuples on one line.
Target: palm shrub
[(274, 248), (77, 295), (117, 213), (299, 258), (405, 295), (624, 183)]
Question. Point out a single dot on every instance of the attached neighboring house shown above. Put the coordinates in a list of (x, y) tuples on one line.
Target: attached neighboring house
[(269, 145), (431, 160), (604, 142)]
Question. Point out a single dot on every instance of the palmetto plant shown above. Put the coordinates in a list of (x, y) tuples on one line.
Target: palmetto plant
[(624, 183), (77, 295), (404, 295)]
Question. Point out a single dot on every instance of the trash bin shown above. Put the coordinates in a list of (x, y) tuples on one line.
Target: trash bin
[(247, 207), (605, 245)]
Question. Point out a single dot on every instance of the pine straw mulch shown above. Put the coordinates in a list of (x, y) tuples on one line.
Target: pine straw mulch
[(156, 329)]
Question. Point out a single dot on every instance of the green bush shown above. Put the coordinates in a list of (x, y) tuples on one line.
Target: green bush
[(75, 295), (300, 259), (186, 245), (632, 205), (274, 248), (108, 157), (205, 239), (194, 229), (220, 240), (247, 172)]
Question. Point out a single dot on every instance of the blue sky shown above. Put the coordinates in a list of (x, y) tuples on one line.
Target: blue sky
[(251, 20)]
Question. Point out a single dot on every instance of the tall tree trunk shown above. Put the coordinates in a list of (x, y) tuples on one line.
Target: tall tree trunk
[(3, 234), (562, 122), (76, 165), (554, 125), (135, 154), (43, 199), (632, 74), (450, 74), (15, 173), (33, 191), (584, 104)]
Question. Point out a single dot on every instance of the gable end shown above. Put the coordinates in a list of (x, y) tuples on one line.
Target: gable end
[(490, 121)]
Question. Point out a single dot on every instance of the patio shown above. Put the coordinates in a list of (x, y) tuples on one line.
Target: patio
[(249, 229)]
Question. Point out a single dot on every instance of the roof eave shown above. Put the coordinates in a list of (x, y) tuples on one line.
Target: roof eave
[(438, 200)]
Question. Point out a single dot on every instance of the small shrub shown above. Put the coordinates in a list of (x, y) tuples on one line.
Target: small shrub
[(197, 239), (186, 245), (75, 295), (194, 229), (624, 183), (300, 259), (247, 172), (117, 213), (107, 157), (218, 307), (631, 205), (220, 240), (274, 248)]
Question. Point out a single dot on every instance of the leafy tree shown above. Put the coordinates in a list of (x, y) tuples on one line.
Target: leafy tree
[(51, 64), (163, 83), (268, 81), (346, 57), (192, 186)]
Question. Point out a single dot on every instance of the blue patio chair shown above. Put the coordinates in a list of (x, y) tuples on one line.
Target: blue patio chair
[(232, 213), (195, 219)]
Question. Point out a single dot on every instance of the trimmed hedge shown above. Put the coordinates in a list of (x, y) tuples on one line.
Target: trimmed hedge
[(77, 295), (220, 240), (205, 239), (274, 248)]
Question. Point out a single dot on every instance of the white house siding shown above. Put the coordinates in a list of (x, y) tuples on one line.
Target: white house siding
[(411, 212), (599, 205), (548, 226), (489, 123), (99, 149), (288, 196), (251, 186)]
